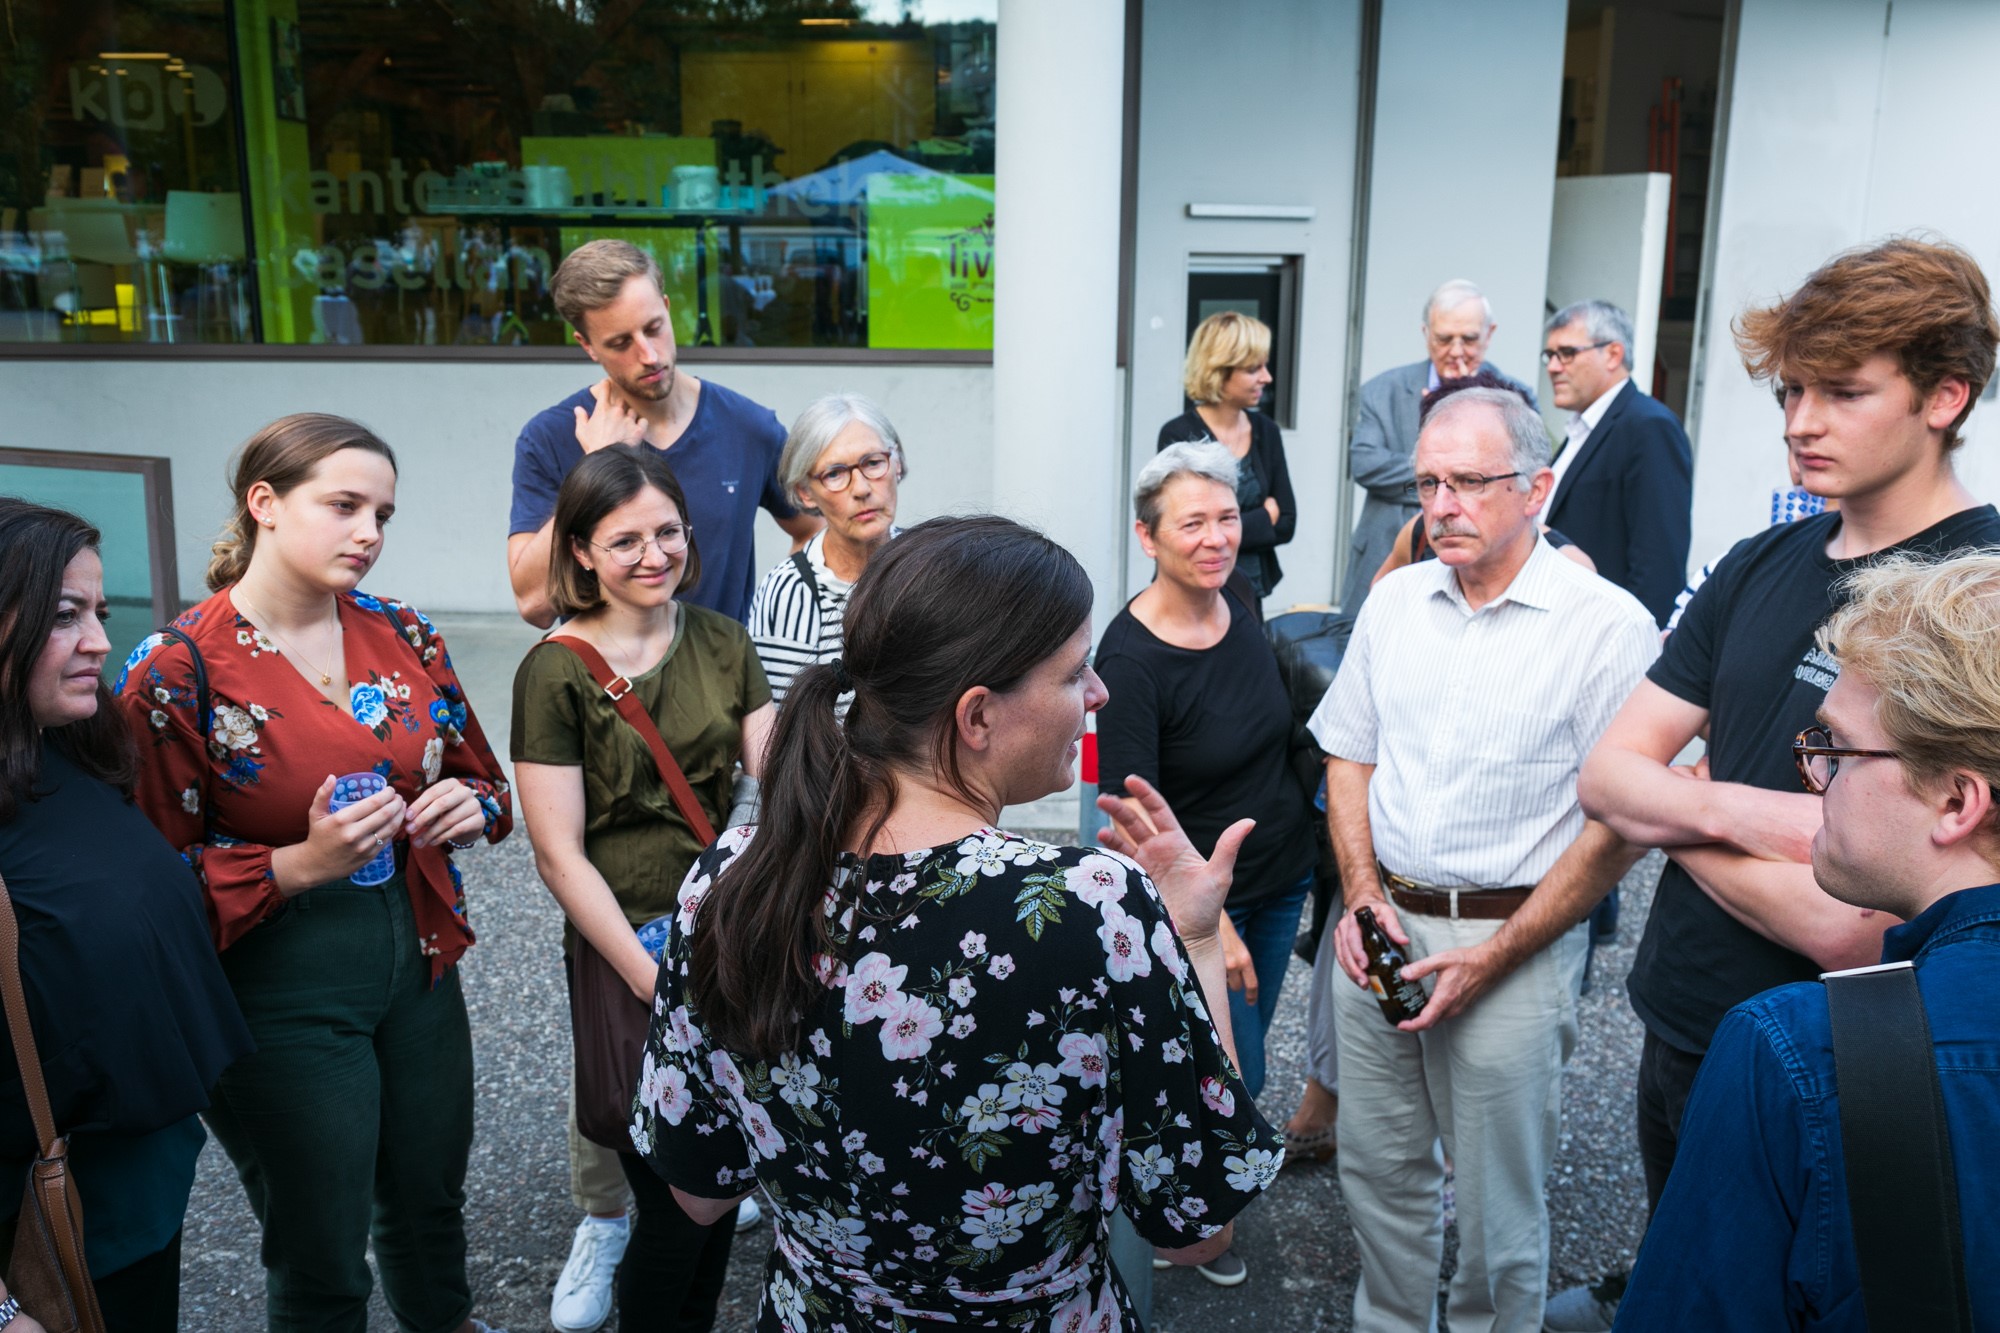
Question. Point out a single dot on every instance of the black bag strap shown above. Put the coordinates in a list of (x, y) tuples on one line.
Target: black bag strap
[(204, 702), (1902, 1194), (805, 568)]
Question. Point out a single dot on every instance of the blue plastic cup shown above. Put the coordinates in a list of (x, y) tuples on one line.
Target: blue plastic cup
[(349, 790)]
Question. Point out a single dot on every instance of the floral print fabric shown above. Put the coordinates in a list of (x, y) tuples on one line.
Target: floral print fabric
[(1012, 1044), (228, 799)]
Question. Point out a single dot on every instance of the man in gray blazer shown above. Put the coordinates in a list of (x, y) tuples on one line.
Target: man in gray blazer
[(1458, 328)]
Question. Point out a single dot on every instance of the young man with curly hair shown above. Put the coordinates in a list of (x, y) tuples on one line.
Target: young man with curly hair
[(1876, 361)]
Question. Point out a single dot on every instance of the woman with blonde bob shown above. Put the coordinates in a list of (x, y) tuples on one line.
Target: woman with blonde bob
[(1227, 370), (843, 462), (340, 925)]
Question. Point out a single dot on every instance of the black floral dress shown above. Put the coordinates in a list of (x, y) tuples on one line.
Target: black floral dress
[(1012, 1045)]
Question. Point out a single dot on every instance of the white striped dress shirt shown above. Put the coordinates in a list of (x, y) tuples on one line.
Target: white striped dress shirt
[(1477, 721), (791, 628)]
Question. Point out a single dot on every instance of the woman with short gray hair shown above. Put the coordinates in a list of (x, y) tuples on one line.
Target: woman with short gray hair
[(842, 461), (1197, 709)]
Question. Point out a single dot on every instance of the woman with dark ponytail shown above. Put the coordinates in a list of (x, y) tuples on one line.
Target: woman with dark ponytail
[(946, 1052)]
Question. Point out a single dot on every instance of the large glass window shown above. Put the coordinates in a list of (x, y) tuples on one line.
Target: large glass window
[(388, 172)]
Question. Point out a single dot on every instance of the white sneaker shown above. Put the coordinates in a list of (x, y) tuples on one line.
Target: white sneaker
[(748, 1214), (582, 1301)]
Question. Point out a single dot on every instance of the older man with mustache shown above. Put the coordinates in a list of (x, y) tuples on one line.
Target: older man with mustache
[(1454, 736)]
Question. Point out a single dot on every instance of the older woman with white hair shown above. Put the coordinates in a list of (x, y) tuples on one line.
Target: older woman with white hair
[(1198, 710), (842, 461)]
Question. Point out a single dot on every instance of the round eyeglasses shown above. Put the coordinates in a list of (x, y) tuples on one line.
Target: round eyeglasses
[(840, 476), (1819, 758), (631, 548)]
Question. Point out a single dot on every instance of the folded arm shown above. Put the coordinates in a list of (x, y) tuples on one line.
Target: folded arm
[(1782, 901), (1628, 783)]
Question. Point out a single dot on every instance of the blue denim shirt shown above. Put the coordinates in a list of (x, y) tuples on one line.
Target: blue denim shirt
[(1753, 1230)]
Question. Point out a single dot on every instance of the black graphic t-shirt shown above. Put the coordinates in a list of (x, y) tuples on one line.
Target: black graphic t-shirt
[(1745, 652)]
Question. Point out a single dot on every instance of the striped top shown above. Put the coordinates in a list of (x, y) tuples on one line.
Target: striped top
[(1476, 722), (792, 628)]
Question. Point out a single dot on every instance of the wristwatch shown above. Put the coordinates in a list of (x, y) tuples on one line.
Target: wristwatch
[(8, 1309)]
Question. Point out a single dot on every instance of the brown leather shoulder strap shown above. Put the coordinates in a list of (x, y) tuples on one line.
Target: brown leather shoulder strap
[(619, 691), (18, 1027)]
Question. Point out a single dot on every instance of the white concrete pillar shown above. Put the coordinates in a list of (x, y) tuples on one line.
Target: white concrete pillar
[(1056, 395), (1468, 100)]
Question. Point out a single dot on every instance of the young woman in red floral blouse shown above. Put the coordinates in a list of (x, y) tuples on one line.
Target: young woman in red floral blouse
[(354, 1118)]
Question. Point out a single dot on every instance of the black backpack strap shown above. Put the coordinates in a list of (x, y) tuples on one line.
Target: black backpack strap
[(204, 703), (805, 568), (1902, 1194)]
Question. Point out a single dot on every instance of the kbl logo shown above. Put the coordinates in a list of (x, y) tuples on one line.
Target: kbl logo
[(140, 96)]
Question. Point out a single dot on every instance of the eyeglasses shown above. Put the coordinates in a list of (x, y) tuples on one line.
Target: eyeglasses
[(1562, 356), (1466, 487), (630, 549), (1468, 341), (838, 477), (1819, 758)]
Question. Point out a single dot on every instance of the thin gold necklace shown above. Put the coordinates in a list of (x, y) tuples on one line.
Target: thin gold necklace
[(325, 673)]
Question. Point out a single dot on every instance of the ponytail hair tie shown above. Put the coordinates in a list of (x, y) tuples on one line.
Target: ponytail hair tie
[(841, 680)]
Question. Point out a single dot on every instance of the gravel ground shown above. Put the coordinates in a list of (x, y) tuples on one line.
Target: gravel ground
[(1296, 1240)]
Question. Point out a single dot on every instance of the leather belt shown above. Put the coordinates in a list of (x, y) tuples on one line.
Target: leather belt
[(1455, 904)]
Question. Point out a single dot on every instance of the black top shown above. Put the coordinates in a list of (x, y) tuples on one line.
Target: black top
[(1260, 473), (1745, 652), (1212, 729), (132, 1015)]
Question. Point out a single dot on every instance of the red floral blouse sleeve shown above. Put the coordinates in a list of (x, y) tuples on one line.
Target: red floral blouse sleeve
[(159, 696)]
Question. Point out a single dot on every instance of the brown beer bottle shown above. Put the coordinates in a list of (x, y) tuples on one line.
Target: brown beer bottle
[(1400, 1000)]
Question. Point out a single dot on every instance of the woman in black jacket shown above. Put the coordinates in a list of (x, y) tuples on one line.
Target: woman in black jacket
[(132, 1016), (1227, 370)]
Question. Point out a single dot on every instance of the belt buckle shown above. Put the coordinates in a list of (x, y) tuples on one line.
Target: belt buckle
[(1454, 903)]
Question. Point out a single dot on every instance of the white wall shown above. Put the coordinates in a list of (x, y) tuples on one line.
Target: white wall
[(1467, 102), (1608, 242), (453, 427), (1838, 134), (1059, 99), (1195, 148)]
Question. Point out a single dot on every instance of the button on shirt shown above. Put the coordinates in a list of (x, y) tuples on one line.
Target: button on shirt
[(1754, 1232), (1477, 721), (1577, 432)]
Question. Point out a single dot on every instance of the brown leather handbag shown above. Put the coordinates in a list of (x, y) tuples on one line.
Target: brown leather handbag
[(607, 1022), (46, 1272)]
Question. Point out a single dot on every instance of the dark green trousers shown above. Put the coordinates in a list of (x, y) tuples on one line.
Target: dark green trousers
[(353, 1120)]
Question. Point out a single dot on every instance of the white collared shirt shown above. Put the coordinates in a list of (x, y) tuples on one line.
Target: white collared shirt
[(1578, 431), (1477, 721)]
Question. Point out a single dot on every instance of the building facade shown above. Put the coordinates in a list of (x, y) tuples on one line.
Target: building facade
[(999, 218)]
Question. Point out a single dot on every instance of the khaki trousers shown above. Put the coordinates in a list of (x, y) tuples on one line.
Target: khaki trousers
[(1488, 1085), (596, 1181)]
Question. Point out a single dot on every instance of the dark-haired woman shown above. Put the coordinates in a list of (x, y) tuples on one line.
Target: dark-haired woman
[(132, 1017), (609, 842), (353, 1121), (947, 1052)]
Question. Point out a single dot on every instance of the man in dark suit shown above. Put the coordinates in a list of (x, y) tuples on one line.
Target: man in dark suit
[(1624, 474), (1458, 328)]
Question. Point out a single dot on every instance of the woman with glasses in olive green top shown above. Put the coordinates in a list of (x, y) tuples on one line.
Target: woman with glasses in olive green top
[(608, 840)]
